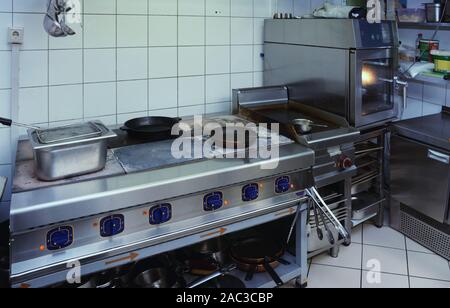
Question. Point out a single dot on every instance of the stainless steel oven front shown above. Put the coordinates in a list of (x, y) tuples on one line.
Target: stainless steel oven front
[(347, 67)]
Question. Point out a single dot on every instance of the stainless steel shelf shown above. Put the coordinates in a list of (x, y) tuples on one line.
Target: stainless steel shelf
[(424, 25), (432, 80), (367, 207)]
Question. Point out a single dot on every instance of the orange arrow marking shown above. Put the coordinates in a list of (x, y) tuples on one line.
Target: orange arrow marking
[(287, 212), (221, 231), (133, 256)]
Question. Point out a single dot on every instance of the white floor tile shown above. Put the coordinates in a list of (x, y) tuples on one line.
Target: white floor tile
[(413, 246), (385, 237), (322, 276), (348, 257), (387, 281), (420, 283), (428, 266), (357, 235), (389, 260)]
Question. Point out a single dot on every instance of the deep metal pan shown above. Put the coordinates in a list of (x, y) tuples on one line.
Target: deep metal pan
[(151, 128)]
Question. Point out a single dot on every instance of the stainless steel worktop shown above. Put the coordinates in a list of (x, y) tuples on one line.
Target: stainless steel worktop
[(432, 130)]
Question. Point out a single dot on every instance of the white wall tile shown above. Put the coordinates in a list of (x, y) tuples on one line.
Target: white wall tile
[(132, 96), (34, 68), (132, 31), (242, 8), (163, 7), (99, 31), (191, 91), (263, 8), (191, 31), (243, 80), (191, 7), (217, 59), (99, 99), (6, 6), (30, 6), (33, 105), (218, 8), (241, 31), (133, 7), (5, 103), (132, 63), (5, 64), (5, 23), (218, 31), (191, 111), (163, 30), (99, 65), (191, 61), (218, 89), (100, 6), (66, 103), (220, 108), (163, 62), (413, 110), (163, 93), (172, 113), (241, 59), (65, 67)]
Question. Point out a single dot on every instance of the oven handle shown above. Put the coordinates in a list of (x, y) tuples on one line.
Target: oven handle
[(404, 84), (438, 157)]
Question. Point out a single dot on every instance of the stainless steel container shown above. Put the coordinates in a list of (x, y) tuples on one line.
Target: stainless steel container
[(433, 12), (68, 156)]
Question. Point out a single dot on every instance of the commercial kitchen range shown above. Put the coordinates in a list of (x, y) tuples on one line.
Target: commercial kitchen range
[(146, 203)]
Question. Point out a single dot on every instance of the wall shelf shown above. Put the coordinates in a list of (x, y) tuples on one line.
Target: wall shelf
[(432, 80), (424, 25)]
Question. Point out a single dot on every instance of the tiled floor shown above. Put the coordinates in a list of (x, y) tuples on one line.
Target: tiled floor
[(380, 258)]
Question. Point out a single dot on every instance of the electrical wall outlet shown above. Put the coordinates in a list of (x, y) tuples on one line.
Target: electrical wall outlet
[(16, 35)]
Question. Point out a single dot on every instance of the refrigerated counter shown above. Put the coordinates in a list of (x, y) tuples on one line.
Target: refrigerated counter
[(420, 180)]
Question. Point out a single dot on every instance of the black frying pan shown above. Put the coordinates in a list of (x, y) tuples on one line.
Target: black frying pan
[(151, 128)]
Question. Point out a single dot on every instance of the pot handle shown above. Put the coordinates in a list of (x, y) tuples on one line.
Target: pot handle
[(269, 269), (6, 122), (124, 128)]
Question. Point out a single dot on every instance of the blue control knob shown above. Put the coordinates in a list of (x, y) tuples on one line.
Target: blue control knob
[(213, 201), (160, 214), (250, 192), (282, 184), (59, 238), (112, 225)]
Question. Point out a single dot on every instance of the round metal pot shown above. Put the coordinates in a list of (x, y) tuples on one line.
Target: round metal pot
[(156, 278)]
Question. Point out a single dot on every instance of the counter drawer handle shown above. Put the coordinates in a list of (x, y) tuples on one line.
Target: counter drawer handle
[(438, 157)]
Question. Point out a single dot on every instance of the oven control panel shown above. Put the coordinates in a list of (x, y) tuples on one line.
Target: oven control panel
[(147, 219)]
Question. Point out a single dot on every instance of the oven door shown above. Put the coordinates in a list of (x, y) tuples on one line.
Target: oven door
[(373, 87)]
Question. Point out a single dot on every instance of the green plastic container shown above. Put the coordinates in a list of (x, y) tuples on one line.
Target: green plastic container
[(441, 61)]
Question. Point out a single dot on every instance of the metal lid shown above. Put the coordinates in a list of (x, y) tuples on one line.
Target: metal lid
[(69, 132)]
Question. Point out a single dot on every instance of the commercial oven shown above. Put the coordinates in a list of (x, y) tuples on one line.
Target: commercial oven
[(420, 180), (348, 67)]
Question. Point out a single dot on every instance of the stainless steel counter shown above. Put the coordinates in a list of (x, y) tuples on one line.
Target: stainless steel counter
[(432, 130)]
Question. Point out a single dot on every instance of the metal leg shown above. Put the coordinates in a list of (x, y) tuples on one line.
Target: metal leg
[(379, 220), (334, 252), (301, 247)]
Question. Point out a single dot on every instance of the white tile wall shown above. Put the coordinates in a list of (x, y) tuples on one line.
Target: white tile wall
[(133, 58)]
